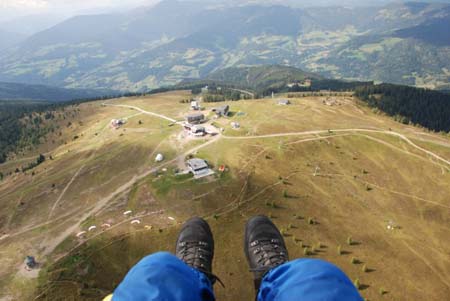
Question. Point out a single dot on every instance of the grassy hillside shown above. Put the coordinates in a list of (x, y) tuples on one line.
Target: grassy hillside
[(332, 161)]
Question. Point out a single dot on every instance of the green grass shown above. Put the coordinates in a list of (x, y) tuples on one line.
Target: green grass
[(165, 182)]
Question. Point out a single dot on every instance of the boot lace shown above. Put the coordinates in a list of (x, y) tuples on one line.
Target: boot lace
[(197, 255), (271, 254)]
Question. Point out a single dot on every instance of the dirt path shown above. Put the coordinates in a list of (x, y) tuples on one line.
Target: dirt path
[(252, 95), (443, 278), (51, 245), (401, 136), (36, 226), (401, 150), (55, 204), (142, 111)]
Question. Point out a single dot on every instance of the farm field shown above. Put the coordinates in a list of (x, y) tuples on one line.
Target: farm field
[(343, 183)]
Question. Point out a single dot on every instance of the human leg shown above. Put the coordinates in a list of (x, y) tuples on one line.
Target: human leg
[(276, 279), (162, 276), (307, 279), (186, 276)]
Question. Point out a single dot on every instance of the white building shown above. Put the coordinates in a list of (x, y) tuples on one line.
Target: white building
[(116, 123), (284, 102), (235, 125), (198, 130), (195, 106)]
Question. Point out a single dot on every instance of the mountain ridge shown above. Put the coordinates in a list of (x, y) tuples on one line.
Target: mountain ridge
[(167, 43), (19, 91)]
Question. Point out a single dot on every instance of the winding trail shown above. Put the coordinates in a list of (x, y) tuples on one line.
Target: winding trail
[(142, 111), (354, 130), (55, 204)]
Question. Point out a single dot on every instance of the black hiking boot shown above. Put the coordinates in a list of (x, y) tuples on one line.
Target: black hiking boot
[(264, 247), (195, 246)]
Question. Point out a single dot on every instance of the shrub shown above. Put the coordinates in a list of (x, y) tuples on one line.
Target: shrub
[(364, 268), (357, 283), (382, 291), (306, 251), (339, 250), (311, 221), (354, 260), (349, 241), (285, 194)]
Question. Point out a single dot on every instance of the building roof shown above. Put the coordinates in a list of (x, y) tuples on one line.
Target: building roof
[(198, 128), (195, 116), (197, 164), (222, 109)]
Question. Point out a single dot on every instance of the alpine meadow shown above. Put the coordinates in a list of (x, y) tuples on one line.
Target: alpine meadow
[(225, 150)]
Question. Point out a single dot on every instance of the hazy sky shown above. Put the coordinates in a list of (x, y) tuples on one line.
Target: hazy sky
[(39, 5), (13, 8)]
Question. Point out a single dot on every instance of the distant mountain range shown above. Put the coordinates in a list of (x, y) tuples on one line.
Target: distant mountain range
[(17, 91), (9, 39), (406, 43)]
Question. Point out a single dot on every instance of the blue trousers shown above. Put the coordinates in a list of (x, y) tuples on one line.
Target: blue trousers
[(163, 276)]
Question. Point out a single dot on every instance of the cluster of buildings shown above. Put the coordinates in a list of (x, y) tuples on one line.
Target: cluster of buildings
[(194, 120), (305, 84)]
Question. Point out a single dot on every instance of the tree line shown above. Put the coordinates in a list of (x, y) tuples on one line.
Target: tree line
[(428, 108)]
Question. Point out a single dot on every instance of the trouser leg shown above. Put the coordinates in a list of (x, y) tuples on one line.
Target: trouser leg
[(162, 276), (307, 279)]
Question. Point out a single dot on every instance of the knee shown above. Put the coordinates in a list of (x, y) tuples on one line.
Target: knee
[(158, 258)]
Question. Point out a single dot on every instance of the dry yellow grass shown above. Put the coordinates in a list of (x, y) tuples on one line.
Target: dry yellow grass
[(353, 183)]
